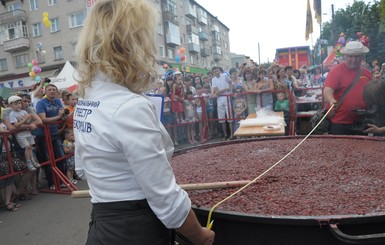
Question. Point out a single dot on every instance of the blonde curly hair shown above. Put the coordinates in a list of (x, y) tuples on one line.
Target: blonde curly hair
[(118, 39)]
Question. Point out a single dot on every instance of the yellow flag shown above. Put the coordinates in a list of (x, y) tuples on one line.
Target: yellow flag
[(309, 22), (317, 10)]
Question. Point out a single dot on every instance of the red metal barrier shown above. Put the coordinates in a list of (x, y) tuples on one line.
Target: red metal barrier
[(58, 176)]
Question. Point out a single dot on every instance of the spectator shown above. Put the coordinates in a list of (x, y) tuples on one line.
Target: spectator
[(72, 100), (221, 89), (19, 117), (199, 100), (210, 110), (263, 87), (374, 94), (38, 91), (239, 106), (191, 116), (248, 87), (50, 110), (69, 148)]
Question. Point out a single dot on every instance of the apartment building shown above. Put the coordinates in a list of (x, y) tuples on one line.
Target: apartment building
[(24, 36)]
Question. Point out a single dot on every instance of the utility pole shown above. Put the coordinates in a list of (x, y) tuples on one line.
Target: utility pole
[(259, 55)]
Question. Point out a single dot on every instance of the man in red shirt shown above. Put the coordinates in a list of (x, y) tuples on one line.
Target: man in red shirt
[(338, 81)]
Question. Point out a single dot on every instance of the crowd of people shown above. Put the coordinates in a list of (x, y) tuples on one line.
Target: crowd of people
[(227, 97), (219, 100), (22, 119)]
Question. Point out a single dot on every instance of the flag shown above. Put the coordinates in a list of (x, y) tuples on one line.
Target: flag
[(317, 11), (309, 22)]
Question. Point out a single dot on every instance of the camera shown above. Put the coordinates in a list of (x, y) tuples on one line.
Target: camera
[(66, 111), (371, 115)]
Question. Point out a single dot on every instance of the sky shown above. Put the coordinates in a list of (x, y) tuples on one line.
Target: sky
[(271, 23)]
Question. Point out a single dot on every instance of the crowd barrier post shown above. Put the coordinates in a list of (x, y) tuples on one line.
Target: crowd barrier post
[(57, 174)]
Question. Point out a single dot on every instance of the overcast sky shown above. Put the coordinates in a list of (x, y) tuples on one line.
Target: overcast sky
[(272, 23)]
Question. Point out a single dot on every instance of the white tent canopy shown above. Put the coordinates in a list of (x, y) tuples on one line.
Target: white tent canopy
[(66, 78)]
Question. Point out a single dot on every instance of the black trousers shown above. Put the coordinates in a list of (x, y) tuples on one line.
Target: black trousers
[(126, 223)]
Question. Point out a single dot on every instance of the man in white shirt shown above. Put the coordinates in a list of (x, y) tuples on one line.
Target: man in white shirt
[(221, 89)]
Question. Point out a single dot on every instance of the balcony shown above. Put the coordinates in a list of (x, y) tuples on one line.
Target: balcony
[(205, 52), (16, 44), (216, 42), (192, 29), (193, 48), (217, 57), (202, 19), (203, 36), (13, 16), (190, 11), (171, 17), (172, 40)]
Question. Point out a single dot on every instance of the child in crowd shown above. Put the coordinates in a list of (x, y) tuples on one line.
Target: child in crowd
[(191, 116), (167, 116), (210, 109), (72, 100), (69, 148), (199, 97), (19, 117), (188, 85), (178, 97), (239, 106), (282, 104)]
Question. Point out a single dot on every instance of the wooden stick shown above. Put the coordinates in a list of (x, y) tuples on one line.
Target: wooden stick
[(187, 187)]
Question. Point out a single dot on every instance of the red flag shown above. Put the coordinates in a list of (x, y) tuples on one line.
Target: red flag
[(309, 21)]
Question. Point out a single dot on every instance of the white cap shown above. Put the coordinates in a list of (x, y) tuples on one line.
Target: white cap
[(354, 48), (13, 98)]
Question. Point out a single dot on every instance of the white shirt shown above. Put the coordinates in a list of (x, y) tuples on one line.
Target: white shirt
[(124, 151), (221, 83)]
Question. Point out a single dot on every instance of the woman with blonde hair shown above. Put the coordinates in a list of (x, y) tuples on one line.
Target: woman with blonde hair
[(121, 147)]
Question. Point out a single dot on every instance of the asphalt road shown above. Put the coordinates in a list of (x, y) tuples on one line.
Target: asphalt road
[(48, 219)]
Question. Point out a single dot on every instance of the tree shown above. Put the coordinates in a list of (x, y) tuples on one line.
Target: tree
[(359, 17)]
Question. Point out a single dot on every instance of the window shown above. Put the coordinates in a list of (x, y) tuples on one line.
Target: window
[(160, 28), (52, 2), (3, 65), (55, 25), (170, 6), (192, 60), (76, 19), (14, 6), (217, 50), (34, 4), (193, 38), (40, 56), (170, 54), (13, 30), (21, 60), (161, 51), (36, 29), (58, 53)]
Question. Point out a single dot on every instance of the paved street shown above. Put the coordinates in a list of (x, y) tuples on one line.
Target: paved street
[(48, 219)]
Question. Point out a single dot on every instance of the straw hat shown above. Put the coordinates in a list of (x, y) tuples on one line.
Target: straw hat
[(354, 48)]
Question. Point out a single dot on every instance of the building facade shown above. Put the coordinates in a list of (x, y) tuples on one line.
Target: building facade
[(25, 36)]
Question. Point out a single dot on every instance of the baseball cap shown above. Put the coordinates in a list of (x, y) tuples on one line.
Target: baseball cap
[(13, 98)]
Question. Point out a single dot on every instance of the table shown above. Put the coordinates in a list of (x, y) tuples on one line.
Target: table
[(258, 130)]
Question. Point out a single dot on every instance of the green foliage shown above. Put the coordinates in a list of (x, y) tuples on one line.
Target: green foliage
[(359, 17)]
